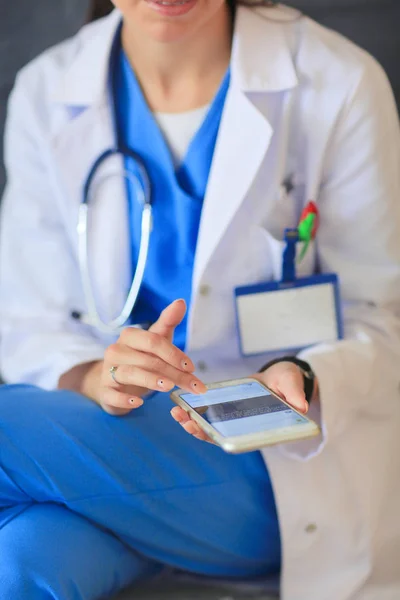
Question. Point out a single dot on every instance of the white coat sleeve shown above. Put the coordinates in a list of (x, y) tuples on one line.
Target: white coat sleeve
[(38, 268), (359, 239)]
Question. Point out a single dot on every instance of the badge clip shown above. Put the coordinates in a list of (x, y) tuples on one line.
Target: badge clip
[(289, 256)]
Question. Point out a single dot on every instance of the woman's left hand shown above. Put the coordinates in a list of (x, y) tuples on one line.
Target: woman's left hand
[(284, 378)]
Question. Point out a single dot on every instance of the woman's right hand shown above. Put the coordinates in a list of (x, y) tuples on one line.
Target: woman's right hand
[(144, 361)]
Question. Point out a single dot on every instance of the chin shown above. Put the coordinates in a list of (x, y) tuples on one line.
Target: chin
[(173, 29), (169, 33)]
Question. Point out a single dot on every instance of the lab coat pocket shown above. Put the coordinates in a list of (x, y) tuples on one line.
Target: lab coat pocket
[(276, 247)]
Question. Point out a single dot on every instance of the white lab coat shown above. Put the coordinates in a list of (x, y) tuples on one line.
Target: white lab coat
[(339, 496)]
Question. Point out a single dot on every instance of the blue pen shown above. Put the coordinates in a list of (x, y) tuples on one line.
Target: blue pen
[(289, 255)]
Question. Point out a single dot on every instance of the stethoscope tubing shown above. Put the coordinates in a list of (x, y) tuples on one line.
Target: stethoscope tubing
[(143, 193)]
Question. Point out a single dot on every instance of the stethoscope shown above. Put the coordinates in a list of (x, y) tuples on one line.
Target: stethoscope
[(143, 193)]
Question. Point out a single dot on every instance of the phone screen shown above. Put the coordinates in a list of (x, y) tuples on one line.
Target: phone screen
[(243, 409)]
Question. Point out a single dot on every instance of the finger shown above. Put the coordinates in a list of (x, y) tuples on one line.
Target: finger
[(180, 415), (193, 429), (155, 344), (137, 376), (169, 319), (119, 403), (291, 387), (164, 377), (118, 354)]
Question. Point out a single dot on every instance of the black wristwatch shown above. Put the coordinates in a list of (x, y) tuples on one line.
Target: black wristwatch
[(308, 373)]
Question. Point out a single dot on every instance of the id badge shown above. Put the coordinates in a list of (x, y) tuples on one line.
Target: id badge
[(288, 315)]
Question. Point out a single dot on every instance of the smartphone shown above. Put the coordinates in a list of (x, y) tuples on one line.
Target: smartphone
[(243, 415)]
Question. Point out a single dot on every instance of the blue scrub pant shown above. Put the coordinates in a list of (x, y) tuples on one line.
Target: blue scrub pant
[(90, 503)]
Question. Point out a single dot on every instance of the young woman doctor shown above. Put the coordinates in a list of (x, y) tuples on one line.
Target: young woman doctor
[(211, 96)]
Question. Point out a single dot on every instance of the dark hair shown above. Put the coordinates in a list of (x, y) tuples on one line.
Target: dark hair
[(101, 8)]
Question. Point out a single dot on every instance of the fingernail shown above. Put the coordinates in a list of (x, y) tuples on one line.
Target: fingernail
[(197, 387), (185, 365), (175, 414), (163, 384), (136, 402)]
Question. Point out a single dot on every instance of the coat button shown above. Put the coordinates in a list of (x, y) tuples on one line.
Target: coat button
[(202, 366), (204, 290), (311, 528)]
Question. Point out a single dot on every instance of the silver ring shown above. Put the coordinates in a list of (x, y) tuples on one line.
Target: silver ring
[(113, 370)]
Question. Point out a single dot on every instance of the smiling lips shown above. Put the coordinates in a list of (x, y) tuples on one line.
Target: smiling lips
[(171, 8), (170, 3)]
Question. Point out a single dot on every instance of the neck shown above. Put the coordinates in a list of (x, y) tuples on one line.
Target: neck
[(185, 74)]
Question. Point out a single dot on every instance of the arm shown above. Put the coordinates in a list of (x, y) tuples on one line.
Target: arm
[(359, 239), (39, 276), (83, 379)]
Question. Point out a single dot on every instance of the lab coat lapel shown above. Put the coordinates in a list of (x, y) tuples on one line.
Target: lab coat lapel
[(242, 143), (76, 149), (87, 132), (245, 134)]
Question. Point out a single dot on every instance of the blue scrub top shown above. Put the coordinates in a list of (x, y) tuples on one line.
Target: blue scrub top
[(177, 196)]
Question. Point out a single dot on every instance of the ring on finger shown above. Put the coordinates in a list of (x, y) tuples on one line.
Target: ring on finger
[(113, 371)]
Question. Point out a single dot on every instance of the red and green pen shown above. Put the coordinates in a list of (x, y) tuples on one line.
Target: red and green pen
[(305, 232), (308, 227)]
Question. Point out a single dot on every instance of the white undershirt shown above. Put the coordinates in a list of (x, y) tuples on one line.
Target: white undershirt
[(180, 128)]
